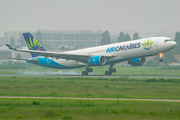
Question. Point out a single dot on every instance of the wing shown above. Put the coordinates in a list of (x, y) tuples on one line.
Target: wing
[(68, 56)]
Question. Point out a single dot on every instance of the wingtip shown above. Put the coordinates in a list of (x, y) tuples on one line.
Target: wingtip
[(10, 47)]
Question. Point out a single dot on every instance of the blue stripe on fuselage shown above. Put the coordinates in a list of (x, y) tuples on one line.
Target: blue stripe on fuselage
[(47, 62)]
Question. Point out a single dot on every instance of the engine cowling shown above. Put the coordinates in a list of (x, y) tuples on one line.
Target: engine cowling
[(97, 60), (137, 61)]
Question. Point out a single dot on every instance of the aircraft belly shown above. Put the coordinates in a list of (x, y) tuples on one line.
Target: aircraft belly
[(70, 63), (115, 60), (61, 63)]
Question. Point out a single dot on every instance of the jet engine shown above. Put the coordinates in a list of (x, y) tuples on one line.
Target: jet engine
[(97, 60), (137, 61)]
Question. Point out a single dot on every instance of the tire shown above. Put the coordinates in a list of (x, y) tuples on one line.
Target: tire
[(86, 73), (106, 72), (90, 70), (113, 70), (83, 73), (87, 69), (110, 72), (160, 60)]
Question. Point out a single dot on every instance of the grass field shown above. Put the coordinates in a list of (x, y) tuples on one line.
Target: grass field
[(87, 109), (89, 87), (26, 108), (96, 87)]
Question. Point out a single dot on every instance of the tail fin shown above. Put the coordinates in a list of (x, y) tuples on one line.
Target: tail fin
[(33, 44)]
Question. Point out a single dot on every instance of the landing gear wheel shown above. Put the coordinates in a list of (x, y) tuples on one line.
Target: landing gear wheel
[(160, 60), (108, 72), (113, 70), (84, 73), (90, 70)]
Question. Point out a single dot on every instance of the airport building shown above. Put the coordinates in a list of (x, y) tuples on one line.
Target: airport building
[(72, 38), (55, 38)]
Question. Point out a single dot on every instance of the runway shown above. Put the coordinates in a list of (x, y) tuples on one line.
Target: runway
[(73, 98), (70, 75)]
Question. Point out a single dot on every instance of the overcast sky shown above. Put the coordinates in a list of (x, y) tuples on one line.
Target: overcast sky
[(112, 15)]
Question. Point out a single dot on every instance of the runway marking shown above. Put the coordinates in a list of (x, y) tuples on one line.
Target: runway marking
[(135, 99)]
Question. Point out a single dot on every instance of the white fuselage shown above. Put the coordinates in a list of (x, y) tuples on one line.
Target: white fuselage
[(122, 51)]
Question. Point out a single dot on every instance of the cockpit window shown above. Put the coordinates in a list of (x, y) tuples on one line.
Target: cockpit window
[(167, 40)]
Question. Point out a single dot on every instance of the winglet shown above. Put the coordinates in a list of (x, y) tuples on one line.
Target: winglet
[(10, 47)]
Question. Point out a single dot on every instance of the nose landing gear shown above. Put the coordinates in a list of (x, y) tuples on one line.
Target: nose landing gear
[(160, 57), (160, 60)]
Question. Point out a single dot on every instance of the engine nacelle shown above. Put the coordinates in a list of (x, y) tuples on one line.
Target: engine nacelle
[(97, 60), (137, 61)]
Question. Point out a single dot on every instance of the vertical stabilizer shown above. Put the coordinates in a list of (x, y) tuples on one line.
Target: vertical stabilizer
[(33, 44)]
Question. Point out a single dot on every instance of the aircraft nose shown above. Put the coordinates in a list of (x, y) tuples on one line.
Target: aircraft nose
[(173, 44)]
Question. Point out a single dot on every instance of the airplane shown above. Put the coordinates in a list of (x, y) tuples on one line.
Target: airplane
[(135, 52)]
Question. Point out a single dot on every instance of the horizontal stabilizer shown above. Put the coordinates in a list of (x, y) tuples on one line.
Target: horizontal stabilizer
[(10, 47), (19, 59)]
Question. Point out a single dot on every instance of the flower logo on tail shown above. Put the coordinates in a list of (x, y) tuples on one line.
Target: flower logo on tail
[(33, 43)]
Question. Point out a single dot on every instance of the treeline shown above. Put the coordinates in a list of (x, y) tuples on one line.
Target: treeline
[(106, 39), (177, 39)]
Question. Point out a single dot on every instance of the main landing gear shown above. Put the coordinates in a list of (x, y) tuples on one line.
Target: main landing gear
[(111, 70), (160, 57), (87, 70)]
